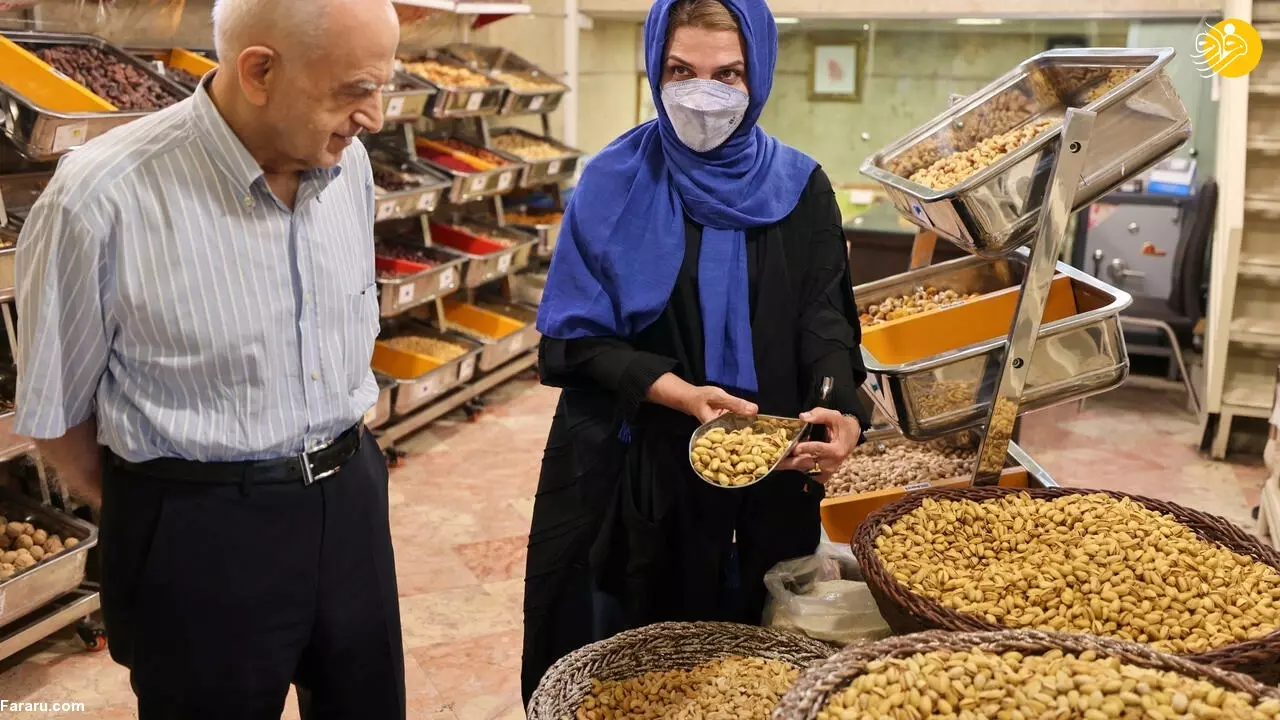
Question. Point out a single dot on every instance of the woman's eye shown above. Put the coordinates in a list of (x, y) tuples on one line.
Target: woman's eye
[(729, 76), (679, 71)]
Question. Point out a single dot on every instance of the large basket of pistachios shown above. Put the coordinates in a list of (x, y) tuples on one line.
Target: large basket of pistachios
[(677, 670), (1020, 674), (1082, 561)]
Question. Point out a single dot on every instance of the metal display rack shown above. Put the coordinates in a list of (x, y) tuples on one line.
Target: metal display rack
[(1064, 341)]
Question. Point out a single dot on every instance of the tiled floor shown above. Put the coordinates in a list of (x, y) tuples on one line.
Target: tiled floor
[(461, 504)]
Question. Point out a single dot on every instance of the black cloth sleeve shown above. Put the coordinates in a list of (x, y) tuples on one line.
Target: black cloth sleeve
[(607, 364), (830, 336)]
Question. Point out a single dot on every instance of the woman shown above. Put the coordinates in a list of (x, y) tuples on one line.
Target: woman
[(701, 269)]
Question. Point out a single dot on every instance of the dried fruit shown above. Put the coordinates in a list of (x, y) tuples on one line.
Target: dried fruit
[(981, 684), (126, 86), (1082, 563), (448, 76), (733, 688)]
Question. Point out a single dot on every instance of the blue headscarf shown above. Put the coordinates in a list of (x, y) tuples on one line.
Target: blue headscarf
[(622, 241)]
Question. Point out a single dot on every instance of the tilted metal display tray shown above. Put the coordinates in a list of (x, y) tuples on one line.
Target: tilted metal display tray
[(415, 286), (456, 102), (434, 377), (505, 330), (474, 182), (492, 61), (377, 416), (541, 172), (46, 113), (933, 373), (409, 100), (1140, 120), (488, 260), (409, 202)]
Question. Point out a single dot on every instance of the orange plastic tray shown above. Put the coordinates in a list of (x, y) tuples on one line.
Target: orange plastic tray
[(401, 364), (39, 83), (841, 516), (984, 318), (195, 64), (483, 322)]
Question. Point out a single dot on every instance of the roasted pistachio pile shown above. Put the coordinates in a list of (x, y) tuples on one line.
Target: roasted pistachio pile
[(953, 169), (982, 684), (741, 456), (1082, 563), (924, 299), (431, 347), (527, 148), (733, 688)]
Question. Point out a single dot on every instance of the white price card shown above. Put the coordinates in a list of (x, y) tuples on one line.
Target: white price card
[(474, 102), (70, 135), (405, 293), (467, 370), (553, 167), (370, 415), (505, 180), (504, 264), (386, 210), (426, 200), (478, 183), (916, 486), (536, 103), (395, 107), (448, 279)]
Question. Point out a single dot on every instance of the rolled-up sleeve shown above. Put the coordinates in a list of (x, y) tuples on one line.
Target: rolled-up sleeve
[(62, 339)]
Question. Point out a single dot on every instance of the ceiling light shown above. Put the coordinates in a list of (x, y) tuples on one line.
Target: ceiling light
[(979, 21)]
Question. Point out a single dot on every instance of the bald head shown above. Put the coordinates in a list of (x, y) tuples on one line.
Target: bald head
[(304, 76)]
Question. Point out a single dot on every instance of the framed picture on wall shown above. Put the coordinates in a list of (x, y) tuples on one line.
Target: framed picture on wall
[(645, 110), (836, 71)]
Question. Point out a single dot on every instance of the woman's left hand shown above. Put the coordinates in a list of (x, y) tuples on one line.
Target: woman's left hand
[(822, 459)]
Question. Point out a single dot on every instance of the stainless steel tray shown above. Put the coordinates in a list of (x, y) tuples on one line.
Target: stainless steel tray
[(542, 172), (42, 134), (483, 269), (408, 103), (1074, 357), (391, 205), (493, 60), (497, 351), (547, 234), (37, 585), (451, 102), (1139, 122), (378, 415), (404, 293), (468, 186), (413, 394)]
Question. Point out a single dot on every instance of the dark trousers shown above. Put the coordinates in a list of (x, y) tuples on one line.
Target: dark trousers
[(218, 597)]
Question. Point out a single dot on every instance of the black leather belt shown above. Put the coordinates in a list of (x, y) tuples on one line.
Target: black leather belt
[(306, 468)]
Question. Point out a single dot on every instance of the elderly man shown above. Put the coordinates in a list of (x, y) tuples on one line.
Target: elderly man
[(198, 310)]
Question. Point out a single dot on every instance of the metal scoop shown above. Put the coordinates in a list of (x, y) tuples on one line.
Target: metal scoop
[(797, 430)]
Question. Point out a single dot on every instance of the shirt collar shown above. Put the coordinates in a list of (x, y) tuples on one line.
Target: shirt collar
[(231, 155)]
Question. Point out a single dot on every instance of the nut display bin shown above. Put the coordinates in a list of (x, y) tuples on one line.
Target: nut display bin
[(32, 588), (470, 181), (1139, 122), (409, 100), (422, 378), (47, 113), (455, 102), (541, 172), (378, 415), (418, 284), (930, 373), (495, 61), (505, 330), (413, 201), (488, 260)]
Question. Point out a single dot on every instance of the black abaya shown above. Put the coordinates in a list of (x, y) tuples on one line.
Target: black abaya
[(619, 516)]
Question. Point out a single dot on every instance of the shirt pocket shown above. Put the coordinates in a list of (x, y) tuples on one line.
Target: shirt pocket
[(361, 329)]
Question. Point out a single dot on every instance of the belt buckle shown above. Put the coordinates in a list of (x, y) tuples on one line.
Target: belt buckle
[(309, 476)]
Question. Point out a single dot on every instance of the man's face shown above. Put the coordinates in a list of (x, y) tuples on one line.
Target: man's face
[(320, 98)]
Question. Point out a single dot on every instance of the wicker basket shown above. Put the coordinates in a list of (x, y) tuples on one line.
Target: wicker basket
[(813, 691), (661, 647), (908, 612)]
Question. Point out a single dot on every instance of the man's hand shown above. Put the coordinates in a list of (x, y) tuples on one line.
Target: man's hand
[(77, 458), (705, 403), (843, 432)]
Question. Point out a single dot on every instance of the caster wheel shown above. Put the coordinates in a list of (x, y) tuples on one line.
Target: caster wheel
[(94, 638), (394, 457), (473, 414)]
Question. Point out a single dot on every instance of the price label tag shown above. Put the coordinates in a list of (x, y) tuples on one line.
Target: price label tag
[(474, 102), (448, 280), (553, 167), (916, 486), (395, 107), (478, 183), (405, 293), (426, 201), (467, 370), (386, 210), (370, 415), (70, 136), (504, 264), (505, 180), (536, 103)]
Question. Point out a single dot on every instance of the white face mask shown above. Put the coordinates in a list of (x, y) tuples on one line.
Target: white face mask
[(704, 112)]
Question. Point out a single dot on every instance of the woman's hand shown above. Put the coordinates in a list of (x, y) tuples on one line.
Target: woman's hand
[(822, 459), (704, 403)]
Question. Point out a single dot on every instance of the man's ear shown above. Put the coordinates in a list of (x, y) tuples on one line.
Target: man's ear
[(255, 66)]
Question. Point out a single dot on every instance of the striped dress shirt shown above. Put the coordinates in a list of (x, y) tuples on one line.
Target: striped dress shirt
[(163, 288)]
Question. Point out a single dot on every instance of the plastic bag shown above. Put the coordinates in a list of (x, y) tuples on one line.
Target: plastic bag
[(823, 596)]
